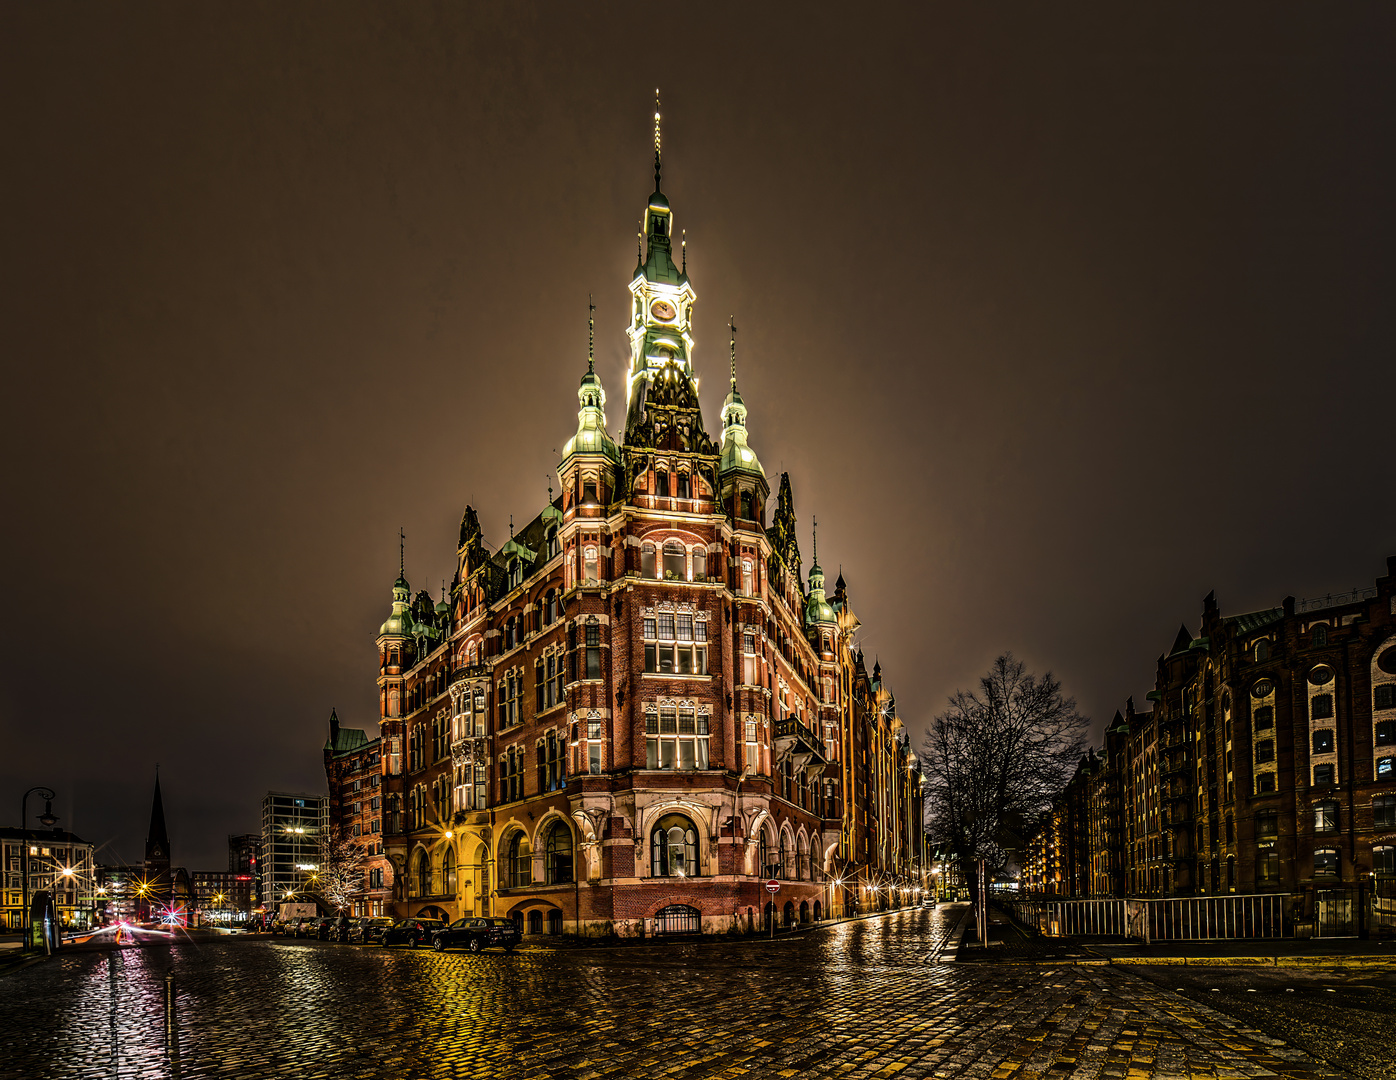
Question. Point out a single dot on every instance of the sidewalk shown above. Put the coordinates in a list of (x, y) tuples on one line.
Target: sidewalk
[(1010, 943)]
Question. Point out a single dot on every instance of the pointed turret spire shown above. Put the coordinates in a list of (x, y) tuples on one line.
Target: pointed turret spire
[(591, 348), (736, 454), (591, 436)]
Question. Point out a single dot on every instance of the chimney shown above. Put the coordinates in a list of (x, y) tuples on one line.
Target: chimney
[(1391, 566), (1289, 605)]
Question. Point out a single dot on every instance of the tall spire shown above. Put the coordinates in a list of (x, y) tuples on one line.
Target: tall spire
[(656, 138), (814, 521), (591, 345), (157, 835), (683, 245)]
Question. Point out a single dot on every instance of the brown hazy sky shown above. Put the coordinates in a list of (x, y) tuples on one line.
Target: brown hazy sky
[(1058, 316)]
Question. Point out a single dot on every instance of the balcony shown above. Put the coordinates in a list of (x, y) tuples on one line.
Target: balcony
[(797, 742), (469, 750)]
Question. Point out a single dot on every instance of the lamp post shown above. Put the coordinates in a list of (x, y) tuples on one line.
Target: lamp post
[(47, 819)]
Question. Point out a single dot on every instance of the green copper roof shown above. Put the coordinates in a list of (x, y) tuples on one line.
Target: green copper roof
[(591, 436)]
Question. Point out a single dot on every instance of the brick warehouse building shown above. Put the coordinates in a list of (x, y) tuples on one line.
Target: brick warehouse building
[(636, 711), (1267, 762)]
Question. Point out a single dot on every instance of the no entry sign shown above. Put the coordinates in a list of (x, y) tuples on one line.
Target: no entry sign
[(773, 886)]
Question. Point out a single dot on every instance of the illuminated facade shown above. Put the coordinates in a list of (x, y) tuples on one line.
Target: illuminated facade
[(59, 864), (1265, 764), (636, 711), (292, 825), (353, 771)]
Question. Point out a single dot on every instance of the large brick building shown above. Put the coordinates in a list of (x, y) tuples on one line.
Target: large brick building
[(1266, 763), (637, 710)]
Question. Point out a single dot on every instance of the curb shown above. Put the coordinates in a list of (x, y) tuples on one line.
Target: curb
[(1379, 962), (951, 945)]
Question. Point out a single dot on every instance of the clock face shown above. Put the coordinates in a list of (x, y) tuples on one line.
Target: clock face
[(663, 310)]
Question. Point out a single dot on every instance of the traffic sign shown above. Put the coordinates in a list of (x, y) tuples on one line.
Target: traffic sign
[(773, 886)]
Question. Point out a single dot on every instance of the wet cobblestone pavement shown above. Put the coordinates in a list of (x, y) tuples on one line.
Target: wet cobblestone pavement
[(854, 1000)]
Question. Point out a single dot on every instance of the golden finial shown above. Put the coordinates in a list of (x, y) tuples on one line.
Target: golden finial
[(656, 138)]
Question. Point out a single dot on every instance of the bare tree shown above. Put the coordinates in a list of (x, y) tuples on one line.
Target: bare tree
[(340, 874), (996, 758)]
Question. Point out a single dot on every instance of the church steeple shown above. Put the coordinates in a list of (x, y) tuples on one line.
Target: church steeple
[(157, 840)]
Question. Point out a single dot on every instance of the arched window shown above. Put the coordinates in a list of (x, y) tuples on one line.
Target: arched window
[(554, 547), (448, 873), (1320, 635), (747, 513), (590, 568), (674, 848), (787, 856), (647, 560), (423, 874), (482, 858), (520, 862), (661, 482), (1262, 651), (763, 856), (673, 561), (515, 573), (535, 921), (559, 848), (748, 581), (802, 864)]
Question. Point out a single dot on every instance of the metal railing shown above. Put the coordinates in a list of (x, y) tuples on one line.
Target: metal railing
[(1319, 603), (1070, 918), (1202, 918)]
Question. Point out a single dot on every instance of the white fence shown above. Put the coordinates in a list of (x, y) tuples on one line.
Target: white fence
[(1203, 918)]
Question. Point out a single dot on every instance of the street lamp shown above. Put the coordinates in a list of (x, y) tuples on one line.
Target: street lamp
[(47, 819)]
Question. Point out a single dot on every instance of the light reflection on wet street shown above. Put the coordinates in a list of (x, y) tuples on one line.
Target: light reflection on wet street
[(857, 999)]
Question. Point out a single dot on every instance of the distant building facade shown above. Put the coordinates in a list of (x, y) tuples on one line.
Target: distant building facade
[(354, 773), (1266, 763), (292, 826), (60, 863), (637, 711)]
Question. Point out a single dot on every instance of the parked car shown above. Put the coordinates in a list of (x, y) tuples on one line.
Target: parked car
[(368, 931), (476, 934), (280, 926), (414, 932), (306, 926), (334, 928)]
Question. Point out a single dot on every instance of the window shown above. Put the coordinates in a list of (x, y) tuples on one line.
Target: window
[(684, 489), (672, 645), (747, 513), (515, 573), (674, 561), (424, 887), (593, 646), (1267, 823), (1265, 782), (647, 561), (520, 868), (589, 493), (1323, 741), (700, 564), (1264, 718), (1326, 816), (481, 779), (552, 771), (1384, 812), (558, 864), (448, 873), (676, 736), (674, 848), (554, 545), (751, 760), (590, 571), (1262, 651), (1384, 696), (1323, 774), (1326, 862), (661, 482), (1384, 861), (511, 775), (1321, 707), (749, 676), (747, 580), (538, 686), (1265, 750), (1385, 768), (1319, 636)]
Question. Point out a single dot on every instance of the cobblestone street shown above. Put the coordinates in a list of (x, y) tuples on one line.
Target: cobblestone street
[(853, 1000)]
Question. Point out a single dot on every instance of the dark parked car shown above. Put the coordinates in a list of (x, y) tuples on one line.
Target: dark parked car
[(335, 928), (412, 932), (368, 931), (476, 934), (307, 926)]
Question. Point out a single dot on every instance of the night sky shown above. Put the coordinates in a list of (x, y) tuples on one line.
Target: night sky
[(1056, 320)]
